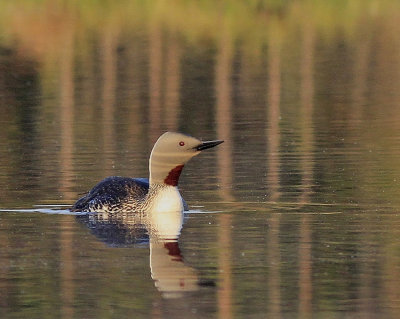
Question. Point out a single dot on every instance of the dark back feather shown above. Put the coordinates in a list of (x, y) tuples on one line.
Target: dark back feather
[(112, 190)]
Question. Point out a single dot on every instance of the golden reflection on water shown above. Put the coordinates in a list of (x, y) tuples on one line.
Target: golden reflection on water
[(305, 94), (307, 169), (223, 76)]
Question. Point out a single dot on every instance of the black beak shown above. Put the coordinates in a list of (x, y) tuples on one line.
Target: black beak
[(207, 144)]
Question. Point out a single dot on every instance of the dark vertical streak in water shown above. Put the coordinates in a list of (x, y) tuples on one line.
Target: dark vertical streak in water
[(172, 85), (359, 95), (197, 91), (5, 287), (20, 97), (274, 266), (225, 287), (67, 268)]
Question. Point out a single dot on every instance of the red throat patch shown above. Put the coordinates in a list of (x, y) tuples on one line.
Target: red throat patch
[(173, 176)]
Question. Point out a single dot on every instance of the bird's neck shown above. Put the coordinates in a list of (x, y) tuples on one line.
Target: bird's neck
[(163, 198), (164, 173)]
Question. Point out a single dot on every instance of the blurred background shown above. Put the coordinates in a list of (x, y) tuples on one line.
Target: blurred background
[(87, 87), (305, 94)]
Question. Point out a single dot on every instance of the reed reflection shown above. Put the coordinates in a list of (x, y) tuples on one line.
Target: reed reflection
[(155, 81), (66, 163), (307, 169), (172, 277), (273, 133), (223, 91), (273, 177)]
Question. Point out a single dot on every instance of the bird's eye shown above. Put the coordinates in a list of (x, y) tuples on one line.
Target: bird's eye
[(181, 143)]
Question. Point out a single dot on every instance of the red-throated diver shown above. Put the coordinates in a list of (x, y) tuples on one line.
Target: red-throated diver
[(158, 194)]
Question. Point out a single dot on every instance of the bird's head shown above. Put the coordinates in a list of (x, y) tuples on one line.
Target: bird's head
[(171, 152)]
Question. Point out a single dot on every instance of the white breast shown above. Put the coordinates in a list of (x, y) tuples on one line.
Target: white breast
[(166, 213), (167, 199)]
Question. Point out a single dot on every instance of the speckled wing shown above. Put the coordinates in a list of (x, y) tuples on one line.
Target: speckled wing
[(112, 191)]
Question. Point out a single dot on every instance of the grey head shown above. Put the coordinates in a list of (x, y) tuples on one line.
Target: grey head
[(171, 152)]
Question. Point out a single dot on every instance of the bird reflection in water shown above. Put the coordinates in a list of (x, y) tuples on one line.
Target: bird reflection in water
[(161, 232)]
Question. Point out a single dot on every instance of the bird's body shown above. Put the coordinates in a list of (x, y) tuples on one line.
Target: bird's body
[(159, 193), (115, 194)]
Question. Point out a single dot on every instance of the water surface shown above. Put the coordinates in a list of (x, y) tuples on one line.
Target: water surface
[(296, 215)]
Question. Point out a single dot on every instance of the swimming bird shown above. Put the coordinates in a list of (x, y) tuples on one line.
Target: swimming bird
[(157, 194)]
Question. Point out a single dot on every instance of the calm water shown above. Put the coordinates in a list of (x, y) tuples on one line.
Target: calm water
[(296, 215)]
